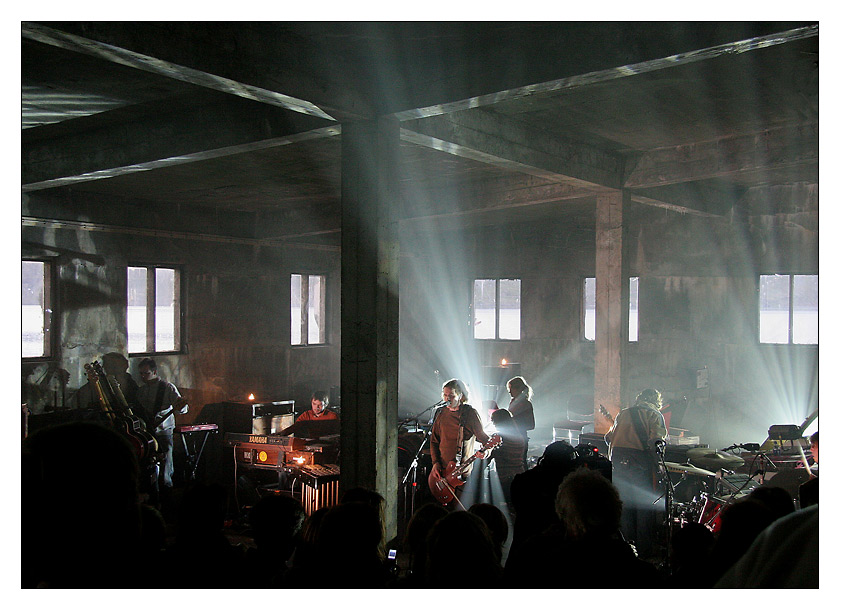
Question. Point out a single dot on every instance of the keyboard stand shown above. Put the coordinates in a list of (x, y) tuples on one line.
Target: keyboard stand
[(192, 454)]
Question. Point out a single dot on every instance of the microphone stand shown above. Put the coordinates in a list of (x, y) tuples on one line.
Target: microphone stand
[(669, 492), (763, 457), (413, 468)]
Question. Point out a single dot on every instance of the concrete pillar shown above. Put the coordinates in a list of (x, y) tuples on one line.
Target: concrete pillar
[(370, 257), (612, 305)]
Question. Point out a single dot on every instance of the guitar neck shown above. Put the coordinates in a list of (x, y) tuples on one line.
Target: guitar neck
[(492, 443)]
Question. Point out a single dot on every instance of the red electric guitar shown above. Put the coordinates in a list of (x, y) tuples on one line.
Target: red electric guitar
[(444, 488)]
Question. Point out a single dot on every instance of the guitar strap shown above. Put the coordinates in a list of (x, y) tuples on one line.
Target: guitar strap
[(460, 442), (639, 427)]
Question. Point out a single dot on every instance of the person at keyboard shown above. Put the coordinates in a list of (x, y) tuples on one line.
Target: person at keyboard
[(309, 424)]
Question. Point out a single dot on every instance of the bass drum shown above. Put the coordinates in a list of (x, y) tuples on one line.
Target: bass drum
[(407, 447)]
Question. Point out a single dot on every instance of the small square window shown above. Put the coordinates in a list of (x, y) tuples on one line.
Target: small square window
[(496, 308)]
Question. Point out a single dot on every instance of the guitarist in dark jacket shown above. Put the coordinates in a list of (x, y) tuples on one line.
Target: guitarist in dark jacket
[(456, 427), (632, 444), (159, 400)]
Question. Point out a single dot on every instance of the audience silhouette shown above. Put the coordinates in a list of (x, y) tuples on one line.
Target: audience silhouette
[(202, 556), (276, 521), (460, 553), (80, 513), (415, 543), (84, 526), (568, 554), (533, 492), (496, 522)]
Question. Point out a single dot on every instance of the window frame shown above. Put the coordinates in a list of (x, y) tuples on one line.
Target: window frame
[(151, 310), (51, 316), (497, 317), (791, 310), (304, 310)]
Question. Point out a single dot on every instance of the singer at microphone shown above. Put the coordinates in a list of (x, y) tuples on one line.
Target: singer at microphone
[(456, 428)]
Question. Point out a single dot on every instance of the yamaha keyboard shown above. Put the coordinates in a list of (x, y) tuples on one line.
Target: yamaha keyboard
[(277, 451)]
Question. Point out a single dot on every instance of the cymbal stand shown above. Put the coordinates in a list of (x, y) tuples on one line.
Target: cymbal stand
[(764, 461)]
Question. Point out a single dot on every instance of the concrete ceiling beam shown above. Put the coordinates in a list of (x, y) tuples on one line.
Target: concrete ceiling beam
[(447, 202), (769, 150), (51, 157), (497, 140), (209, 57)]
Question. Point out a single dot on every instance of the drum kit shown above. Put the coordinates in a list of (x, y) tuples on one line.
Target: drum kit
[(716, 485)]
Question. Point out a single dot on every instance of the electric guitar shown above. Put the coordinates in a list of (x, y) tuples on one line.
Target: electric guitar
[(444, 488), (119, 413), (611, 419), (181, 402)]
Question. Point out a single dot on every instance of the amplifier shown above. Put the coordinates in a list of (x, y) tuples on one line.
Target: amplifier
[(259, 455)]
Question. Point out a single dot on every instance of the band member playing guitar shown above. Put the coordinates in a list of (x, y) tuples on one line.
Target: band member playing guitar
[(158, 400), (456, 427), (636, 433)]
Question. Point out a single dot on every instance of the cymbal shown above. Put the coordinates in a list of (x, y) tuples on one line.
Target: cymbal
[(713, 459), (678, 468)]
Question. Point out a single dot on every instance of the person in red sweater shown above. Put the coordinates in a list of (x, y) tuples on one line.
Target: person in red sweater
[(308, 424), (319, 410)]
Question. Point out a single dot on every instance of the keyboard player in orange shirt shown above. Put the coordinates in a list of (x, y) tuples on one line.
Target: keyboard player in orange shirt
[(319, 410), (317, 413)]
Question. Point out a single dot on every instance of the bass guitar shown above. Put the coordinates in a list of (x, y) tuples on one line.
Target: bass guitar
[(444, 488)]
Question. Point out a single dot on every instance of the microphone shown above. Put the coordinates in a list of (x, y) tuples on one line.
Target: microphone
[(441, 403), (751, 447)]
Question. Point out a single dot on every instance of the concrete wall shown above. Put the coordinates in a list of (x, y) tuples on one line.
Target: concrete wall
[(698, 310), (237, 313)]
